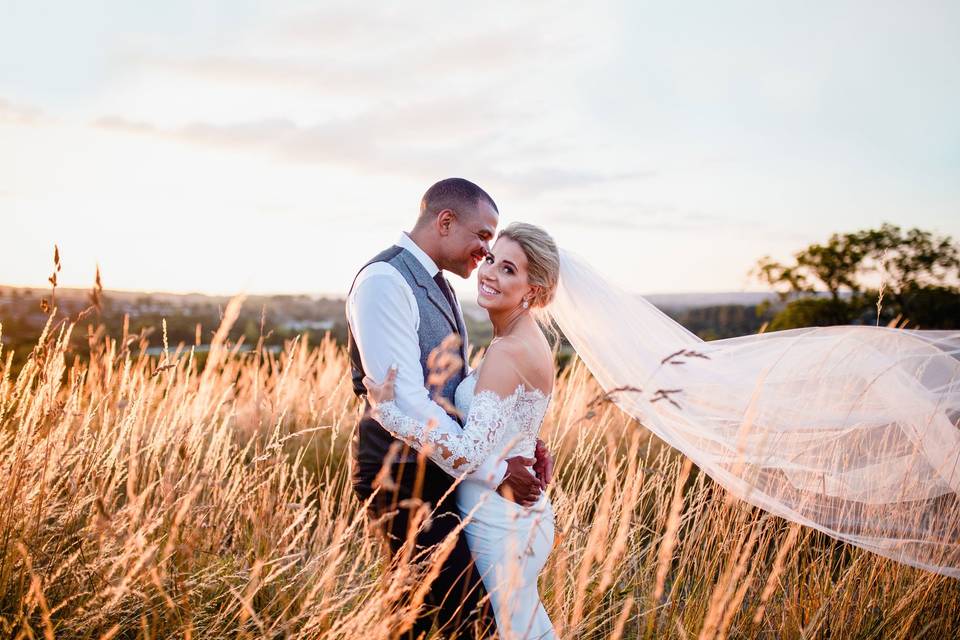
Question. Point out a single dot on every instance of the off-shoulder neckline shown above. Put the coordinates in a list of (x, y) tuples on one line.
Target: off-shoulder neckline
[(521, 388)]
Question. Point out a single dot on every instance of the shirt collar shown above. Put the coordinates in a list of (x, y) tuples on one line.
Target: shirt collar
[(407, 243)]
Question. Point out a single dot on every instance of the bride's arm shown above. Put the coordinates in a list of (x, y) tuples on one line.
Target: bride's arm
[(457, 450)]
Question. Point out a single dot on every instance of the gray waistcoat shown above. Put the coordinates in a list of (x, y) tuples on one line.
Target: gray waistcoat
[(437, 321)]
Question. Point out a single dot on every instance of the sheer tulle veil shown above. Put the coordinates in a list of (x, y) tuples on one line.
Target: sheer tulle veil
[(852, 430)]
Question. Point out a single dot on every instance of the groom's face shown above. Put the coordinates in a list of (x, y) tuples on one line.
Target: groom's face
[(468, 241)]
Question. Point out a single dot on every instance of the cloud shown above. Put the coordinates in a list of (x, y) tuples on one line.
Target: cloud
[(392, 137), (325, 76), (117, 123), (331, 25), (345, 52), (541, 179), (462, 134), (484, 58), (609, 213), (13, 113), (443, 89)]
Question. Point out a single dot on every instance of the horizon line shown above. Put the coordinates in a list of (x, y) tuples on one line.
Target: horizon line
[(327, 294)]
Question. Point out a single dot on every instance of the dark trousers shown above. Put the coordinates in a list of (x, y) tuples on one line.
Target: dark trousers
[(454, 599)]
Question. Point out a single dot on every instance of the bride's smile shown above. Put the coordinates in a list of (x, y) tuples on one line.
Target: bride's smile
[(489, 291)]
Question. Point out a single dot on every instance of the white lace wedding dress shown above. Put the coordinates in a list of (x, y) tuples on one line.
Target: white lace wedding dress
[(509, 543)]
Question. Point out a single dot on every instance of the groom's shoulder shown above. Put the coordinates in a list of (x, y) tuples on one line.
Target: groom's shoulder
[(377, 270), (381, 269), (387, 255), (382, 262)]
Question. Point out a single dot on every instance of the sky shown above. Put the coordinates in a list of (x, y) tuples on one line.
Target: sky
[(273, 147)]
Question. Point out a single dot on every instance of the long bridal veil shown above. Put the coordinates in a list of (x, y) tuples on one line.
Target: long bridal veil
[(852, 430)]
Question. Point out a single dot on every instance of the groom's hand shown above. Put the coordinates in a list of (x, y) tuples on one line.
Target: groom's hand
[(544, 464), (519, 484)]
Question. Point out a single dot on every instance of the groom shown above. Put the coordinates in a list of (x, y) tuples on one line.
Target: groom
[(399, 310)]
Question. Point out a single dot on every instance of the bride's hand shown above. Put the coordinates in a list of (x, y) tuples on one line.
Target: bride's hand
[(383, 392)]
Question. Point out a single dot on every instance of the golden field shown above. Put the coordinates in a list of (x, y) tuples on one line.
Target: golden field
[(153, 498)]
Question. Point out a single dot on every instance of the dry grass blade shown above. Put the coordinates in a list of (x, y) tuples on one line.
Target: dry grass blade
[(215, 501)]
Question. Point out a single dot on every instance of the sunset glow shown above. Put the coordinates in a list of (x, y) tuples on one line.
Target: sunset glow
[(274, 147)]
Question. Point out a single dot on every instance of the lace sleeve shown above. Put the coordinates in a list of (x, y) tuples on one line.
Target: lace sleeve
[(453, 449)]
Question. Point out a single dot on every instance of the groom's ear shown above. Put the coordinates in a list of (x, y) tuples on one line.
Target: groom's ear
[(445, 219)]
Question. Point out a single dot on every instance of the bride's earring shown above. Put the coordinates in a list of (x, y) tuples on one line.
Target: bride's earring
[(526, 304)]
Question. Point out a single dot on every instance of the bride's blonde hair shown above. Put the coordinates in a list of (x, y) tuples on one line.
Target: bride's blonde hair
[(543, 259)]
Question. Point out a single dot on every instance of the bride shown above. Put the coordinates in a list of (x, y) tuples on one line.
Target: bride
[(505, 400), (851, 430)]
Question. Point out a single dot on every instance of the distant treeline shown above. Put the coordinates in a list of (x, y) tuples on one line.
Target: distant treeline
[(190, 319), (883, 276), (722, 321), (270, 320)]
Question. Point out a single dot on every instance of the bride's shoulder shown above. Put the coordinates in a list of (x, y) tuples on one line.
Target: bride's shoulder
[(502, 355), (505, 346), (516, 349), (519, 360)]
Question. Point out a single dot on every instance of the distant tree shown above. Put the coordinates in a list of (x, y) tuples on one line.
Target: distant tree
[(830, 267), (720, 321), (251, 331), (930, 307), (918, 272), (915, 272), (813, 312)]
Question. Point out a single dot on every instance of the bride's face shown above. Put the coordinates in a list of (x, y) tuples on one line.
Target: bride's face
[(502, 278)]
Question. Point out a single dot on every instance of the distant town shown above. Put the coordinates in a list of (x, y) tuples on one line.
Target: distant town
[(192, 319)]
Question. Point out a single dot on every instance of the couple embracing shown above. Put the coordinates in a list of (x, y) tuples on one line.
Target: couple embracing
[(850, 430), (478, 428)]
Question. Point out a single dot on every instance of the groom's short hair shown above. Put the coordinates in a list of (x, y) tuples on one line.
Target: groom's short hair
[(453, 193)]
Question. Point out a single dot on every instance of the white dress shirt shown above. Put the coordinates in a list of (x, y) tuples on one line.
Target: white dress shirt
[(384, 318)]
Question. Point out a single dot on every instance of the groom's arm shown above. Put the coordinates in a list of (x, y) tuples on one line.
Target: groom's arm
[(384, 322)]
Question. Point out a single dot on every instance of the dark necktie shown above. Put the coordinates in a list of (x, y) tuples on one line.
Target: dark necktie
[(447, 293)]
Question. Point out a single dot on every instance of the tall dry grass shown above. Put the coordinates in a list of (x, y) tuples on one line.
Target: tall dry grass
[(150, 498)]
